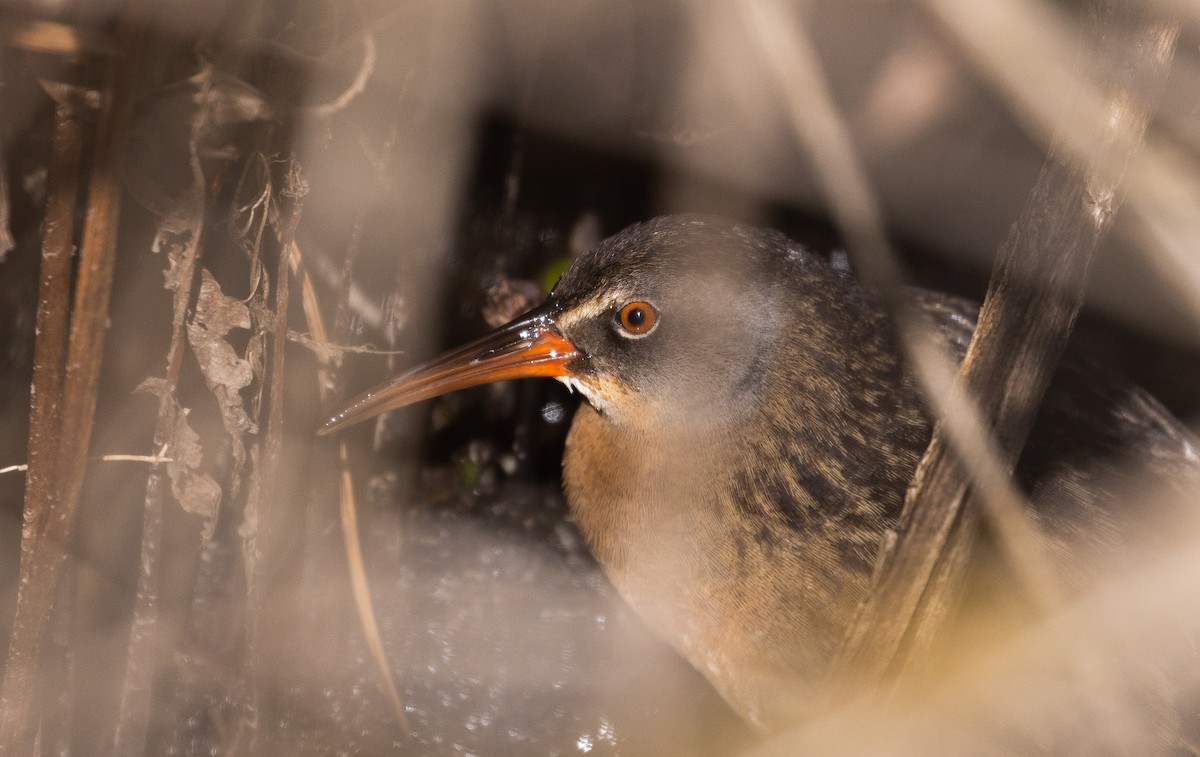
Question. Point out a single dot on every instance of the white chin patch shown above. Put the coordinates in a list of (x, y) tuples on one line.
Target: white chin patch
[(570, 382), (574, 385)]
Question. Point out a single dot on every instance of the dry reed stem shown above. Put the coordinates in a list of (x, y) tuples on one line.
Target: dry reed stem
[(47, 386), (44, 543), (52, 314)]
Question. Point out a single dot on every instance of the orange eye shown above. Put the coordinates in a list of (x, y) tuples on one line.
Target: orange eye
[(638, 318)]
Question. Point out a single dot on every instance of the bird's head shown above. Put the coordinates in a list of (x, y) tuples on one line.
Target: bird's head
[(672, 315)]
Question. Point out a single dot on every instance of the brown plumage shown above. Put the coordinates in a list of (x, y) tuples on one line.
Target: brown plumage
[(748, 434)]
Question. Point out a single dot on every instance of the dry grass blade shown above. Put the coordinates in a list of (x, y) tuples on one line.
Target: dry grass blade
[(347, 505), (362, 589), (316, 323), (328, 386), (885, 619), (89, 312)]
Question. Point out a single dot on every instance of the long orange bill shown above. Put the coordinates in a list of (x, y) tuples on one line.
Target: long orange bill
[(529, 346)]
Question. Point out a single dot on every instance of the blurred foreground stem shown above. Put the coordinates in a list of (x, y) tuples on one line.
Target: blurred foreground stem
[(1035, 294)]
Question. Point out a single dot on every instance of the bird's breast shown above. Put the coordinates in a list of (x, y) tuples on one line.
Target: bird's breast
[(750, 603)]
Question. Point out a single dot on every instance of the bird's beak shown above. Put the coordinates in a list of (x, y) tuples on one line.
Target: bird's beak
[(528, 346)]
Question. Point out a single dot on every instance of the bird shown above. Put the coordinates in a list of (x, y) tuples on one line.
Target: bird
[(748, 429)]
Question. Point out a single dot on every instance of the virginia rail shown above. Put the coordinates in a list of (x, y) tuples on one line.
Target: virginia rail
[(748, 434)]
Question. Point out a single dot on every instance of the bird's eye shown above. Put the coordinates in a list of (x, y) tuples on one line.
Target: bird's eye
[(637, 318)]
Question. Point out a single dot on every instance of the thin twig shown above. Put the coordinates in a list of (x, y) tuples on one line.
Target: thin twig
[(152, 459), (327, 350)]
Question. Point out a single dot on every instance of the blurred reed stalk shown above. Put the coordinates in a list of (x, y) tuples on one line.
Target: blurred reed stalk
[(1034, 296)]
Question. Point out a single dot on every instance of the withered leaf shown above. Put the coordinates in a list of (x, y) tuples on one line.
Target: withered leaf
[(225, 372), (196, 492)]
